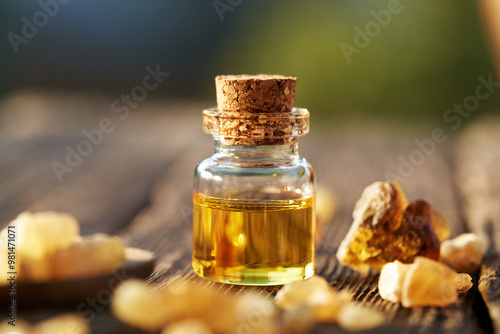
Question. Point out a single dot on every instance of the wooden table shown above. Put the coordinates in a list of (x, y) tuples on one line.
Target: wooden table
[(137, 183)]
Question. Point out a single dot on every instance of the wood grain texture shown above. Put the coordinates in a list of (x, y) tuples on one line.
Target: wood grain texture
[(478, 175), (165, 226), (138, 184), (110, 185)]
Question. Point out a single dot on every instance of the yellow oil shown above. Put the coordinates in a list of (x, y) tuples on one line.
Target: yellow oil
[(253, 242)]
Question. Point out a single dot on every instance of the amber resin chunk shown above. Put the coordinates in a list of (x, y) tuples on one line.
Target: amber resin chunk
[(316, 295), (440, 225), (463, 282), (48, 248), (429, 283), (422, 283), (140, 305), (63, 323), (356, 317), (464, 253), (386, 229), (88, 256)]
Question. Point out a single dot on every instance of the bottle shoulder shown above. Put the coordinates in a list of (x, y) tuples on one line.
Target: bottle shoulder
[(246, 165), (283, 179)]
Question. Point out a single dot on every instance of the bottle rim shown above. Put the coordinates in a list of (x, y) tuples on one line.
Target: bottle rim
[(256, 126)]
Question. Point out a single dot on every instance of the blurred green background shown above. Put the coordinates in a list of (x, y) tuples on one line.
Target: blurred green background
[(426, 58)]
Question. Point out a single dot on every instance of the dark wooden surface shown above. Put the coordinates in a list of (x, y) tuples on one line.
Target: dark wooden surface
[(478, 176), (137, 183)]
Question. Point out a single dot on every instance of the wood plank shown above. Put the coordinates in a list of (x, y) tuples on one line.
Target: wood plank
[(165, 227), (348, 169), (112, 184), (478, 175), (120, 180)]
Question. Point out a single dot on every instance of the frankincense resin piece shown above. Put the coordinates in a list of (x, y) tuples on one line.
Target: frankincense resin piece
[(390, 283), (355, 317), (42, 233), (22, 327), (386, 228), (463, 282), (142, 306), (252, 306), (418, 283), (64, 323), (189, 326), (420, 234), (48, 247), (464, 253), (187, 299), (88, 256), (315, 294), (38, 236), (138, 305), (429, 283), (440, 225), (382, 203)]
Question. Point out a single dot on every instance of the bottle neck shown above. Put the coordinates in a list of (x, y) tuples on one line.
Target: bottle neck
[(287, 151)]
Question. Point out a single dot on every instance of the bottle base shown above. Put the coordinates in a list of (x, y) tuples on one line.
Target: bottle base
[(261, 276)]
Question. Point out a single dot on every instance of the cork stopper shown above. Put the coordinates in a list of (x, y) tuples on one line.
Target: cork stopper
[(256, 110), (255, 93)]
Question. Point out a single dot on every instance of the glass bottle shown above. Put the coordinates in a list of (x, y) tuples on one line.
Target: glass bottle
[(253, 201)]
